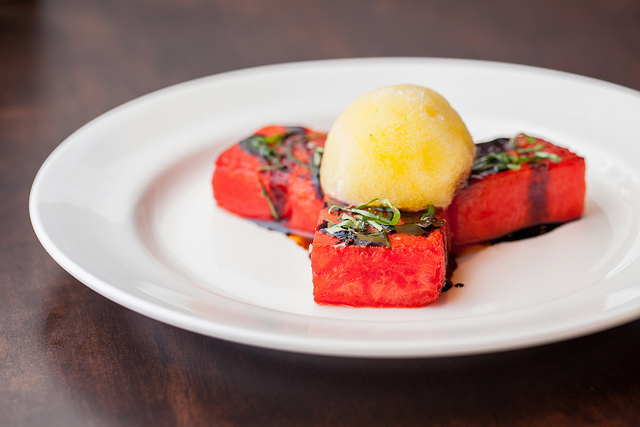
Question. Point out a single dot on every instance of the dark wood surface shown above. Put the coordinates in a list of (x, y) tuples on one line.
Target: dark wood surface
[(68, 356)]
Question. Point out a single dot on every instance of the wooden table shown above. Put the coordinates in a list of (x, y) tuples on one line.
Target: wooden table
[(68, 356)]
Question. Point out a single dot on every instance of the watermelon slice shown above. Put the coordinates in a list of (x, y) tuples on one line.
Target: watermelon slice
[(517, 184), (273, 176), (407, 270)]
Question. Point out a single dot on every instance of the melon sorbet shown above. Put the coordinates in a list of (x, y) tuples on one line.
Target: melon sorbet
[(403, 143)]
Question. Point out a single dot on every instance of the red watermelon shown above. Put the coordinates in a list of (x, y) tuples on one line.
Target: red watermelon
[(544, 190), (272, 176), (410, 272)]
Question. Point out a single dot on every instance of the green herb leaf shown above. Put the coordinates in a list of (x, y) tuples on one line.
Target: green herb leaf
[(270, 167), (293, 158), (317, 157), (497, 162), (370, 223), (272, 208), (264, 146)]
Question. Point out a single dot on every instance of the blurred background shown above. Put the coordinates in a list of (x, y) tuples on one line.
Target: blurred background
[(87, 56)]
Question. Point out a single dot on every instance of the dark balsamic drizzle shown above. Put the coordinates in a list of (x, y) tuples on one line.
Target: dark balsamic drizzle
[(301, 238), (412, 224), (504, 154), (315, 179), (526, 233), (496, 146), (267, 147), (537, 192), (275, 154), (537, 189), (448, 284), (452, 264), (350, 237), (277, 179)]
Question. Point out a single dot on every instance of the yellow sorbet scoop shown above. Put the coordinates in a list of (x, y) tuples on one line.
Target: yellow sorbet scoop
[(403, 143)]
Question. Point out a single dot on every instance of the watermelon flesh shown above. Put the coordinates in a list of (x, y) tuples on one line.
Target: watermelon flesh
[(494, 204), (410, 273), (271, 176)]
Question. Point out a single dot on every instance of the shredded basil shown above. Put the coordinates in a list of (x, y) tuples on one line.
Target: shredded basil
[(371, 223), (513, 160), (265, 147), (273, 150), (272, 207), (317, 157)]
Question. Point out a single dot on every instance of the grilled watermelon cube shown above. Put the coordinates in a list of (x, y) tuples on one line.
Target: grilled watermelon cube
[(271, 176), (495, 203), (410, 272)]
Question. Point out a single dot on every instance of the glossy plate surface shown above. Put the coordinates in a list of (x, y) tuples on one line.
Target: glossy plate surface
[(125, 206)]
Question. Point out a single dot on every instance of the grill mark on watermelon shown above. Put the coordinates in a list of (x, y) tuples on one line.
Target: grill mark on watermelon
[(276, 186), (282, 153), (537, 193)]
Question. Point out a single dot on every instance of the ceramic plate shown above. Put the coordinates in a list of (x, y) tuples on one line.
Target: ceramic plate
[(125, 206)]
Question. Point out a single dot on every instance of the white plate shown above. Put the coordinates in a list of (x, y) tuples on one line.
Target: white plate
[(125, 206)]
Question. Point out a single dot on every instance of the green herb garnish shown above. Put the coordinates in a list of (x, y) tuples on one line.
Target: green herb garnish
[(429, 218), (276, 153), (265, 147), (514, 157), (371, 223), (311, 167), (272, 207), (317, 157), (275, 148), (270, 167)]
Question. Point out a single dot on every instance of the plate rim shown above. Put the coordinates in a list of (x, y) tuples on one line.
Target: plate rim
[(263, 339)]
